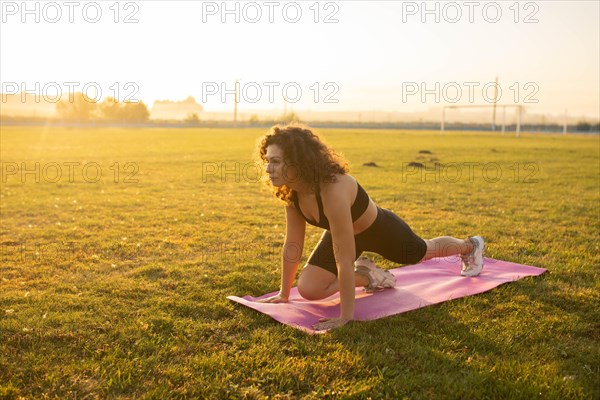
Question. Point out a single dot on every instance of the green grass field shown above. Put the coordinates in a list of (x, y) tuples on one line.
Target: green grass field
[(114, 285)]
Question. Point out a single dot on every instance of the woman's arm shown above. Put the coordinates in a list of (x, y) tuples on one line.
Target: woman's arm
[(336, 206), (291, 254), (292, 248)]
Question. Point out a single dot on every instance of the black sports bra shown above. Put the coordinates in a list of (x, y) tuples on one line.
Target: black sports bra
[(361, 203)]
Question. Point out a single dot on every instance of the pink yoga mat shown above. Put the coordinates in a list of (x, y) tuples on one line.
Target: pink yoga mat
[(419, 285)]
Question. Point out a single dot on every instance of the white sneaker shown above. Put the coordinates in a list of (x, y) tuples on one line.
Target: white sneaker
[(472, 263), (379, 279)]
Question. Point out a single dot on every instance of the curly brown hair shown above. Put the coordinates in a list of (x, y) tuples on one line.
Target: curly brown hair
[(306, 150)]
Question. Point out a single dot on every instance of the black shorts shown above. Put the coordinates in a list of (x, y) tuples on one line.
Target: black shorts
[(389, 236)]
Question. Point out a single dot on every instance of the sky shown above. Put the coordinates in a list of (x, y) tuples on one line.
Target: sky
[(321, 56)]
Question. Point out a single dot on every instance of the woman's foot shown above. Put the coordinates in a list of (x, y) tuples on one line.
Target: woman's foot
[(472, 263), (379, 279)]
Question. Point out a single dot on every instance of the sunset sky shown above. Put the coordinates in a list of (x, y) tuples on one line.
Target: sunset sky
[(374, 57)]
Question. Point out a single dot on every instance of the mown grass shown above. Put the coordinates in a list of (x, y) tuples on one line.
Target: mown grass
[(125, 297)]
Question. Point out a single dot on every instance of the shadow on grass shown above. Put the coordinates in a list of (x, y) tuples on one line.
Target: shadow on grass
[(473, 352), (494, 345)]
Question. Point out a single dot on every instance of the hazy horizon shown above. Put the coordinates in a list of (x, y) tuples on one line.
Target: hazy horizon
[(182, 109)]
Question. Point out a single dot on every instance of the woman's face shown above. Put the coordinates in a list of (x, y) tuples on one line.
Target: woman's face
[(279, 172), (274, 169)]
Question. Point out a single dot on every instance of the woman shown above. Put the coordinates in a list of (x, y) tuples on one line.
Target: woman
[(313, 182)]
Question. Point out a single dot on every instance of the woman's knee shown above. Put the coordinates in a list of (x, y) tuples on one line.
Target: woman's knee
[(429, 250), (314, 282), (310, 293), (421, 250)]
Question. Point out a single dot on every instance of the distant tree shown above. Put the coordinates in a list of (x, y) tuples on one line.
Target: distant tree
[(192, 119), (253, 119), (290, 117), (78, 108), (83, 108), (135, 112), (111, 110), (583, 126)]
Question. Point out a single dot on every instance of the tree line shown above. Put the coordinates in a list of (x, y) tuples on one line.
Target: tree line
[(81, 108)]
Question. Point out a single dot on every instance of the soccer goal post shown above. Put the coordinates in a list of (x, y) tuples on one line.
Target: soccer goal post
[(519, 111)]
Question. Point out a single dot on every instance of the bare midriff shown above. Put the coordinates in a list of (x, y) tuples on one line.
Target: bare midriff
[(366, 219)]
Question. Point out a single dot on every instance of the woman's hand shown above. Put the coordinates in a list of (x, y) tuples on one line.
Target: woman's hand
[(330, 323), (278, 298)]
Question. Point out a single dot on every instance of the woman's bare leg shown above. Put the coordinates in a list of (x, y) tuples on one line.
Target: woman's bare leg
[(445, 246), (316, 283)]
